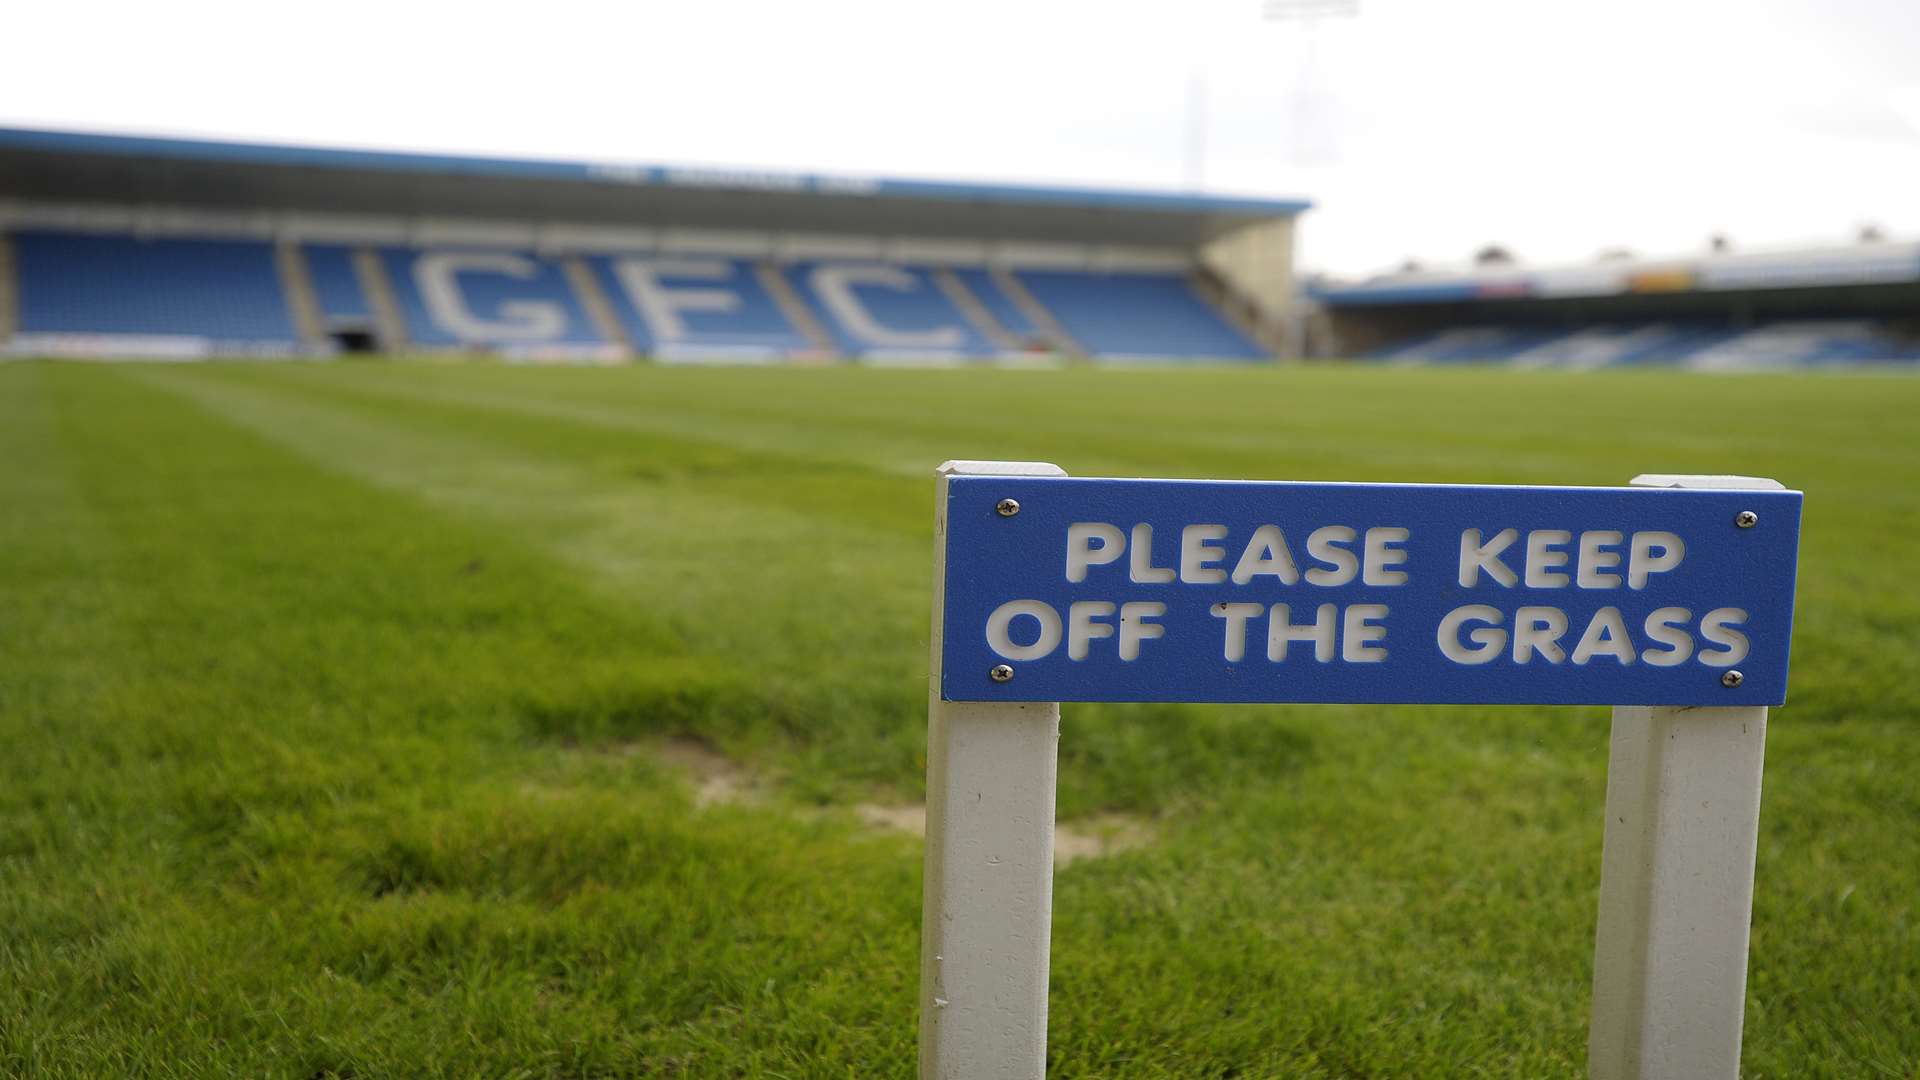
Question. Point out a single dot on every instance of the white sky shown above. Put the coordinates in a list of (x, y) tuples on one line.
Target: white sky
[(1421, 128)]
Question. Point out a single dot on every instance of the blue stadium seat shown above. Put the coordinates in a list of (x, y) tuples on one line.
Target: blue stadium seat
[(1808, 343), (1665, 344), (1125, 315), (883, 309), (1407, 350), (1706, 345), (980, 282), (1603, 346), (486, 298), (187, 295), (1470, 344), (335, 285), (224, 291), (685, 306)]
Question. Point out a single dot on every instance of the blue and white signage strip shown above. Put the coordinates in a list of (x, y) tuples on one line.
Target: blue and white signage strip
[(1076, 589)]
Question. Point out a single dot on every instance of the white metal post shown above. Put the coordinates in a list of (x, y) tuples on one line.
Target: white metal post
[(987, 911), (1676, 882)]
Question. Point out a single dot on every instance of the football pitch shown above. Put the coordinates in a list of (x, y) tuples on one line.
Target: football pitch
[(368, 720)]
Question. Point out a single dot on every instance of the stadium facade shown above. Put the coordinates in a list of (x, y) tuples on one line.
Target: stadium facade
[(125, 246), (1857, 304)]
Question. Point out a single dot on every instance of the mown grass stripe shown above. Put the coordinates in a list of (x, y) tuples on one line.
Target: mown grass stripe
[(311, 774)]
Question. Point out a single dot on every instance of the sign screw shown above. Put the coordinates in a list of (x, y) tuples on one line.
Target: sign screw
[(1003, 673), (1732, 679), (1008, 507), (1746, 519)]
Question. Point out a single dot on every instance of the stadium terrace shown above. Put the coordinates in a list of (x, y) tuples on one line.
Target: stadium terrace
[(122, 246), (1810, 307)]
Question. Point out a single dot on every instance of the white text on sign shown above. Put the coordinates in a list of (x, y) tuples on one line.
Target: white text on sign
[(1332, 556)]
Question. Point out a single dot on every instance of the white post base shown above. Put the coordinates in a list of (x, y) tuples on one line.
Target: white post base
[(987, 913), (988, 910), (1676, 893), (1676, 882)]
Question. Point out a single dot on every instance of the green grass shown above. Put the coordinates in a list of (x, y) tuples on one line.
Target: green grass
[(326, 693)]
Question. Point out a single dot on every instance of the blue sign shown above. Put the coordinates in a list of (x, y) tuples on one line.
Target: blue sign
[(1071, 589)]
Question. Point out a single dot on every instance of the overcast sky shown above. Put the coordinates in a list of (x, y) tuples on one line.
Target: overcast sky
[(1420, 128)]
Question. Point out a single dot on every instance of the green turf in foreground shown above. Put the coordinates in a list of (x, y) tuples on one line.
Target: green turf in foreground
[(325, 691)]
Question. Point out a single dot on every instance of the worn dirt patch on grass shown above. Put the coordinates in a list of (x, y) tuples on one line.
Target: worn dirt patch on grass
[(1106, 834), (717, 779), (720, 781)]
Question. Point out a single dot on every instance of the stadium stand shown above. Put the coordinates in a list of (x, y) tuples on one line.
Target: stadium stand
[(1815, 342), (7, 288), (505, 301), (880, 309), (1718, 312), (968, 303), (136, 246), (1129, 315), (159, 297), (342, 300), (121, 246), (1047, 329), (695, 307), (1473, 343), (302, 305), (599, 309), (1020, 330), (172, 295), (1811, 342)]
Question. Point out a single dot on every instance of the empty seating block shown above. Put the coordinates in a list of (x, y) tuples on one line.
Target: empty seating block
[(1470, 344), (486, 299), (690, 306), (218, 290), (336, 288), (1126, 315), (1705, 345), (1004, 311), (880, 309), (1809, 342), (186, 297)]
